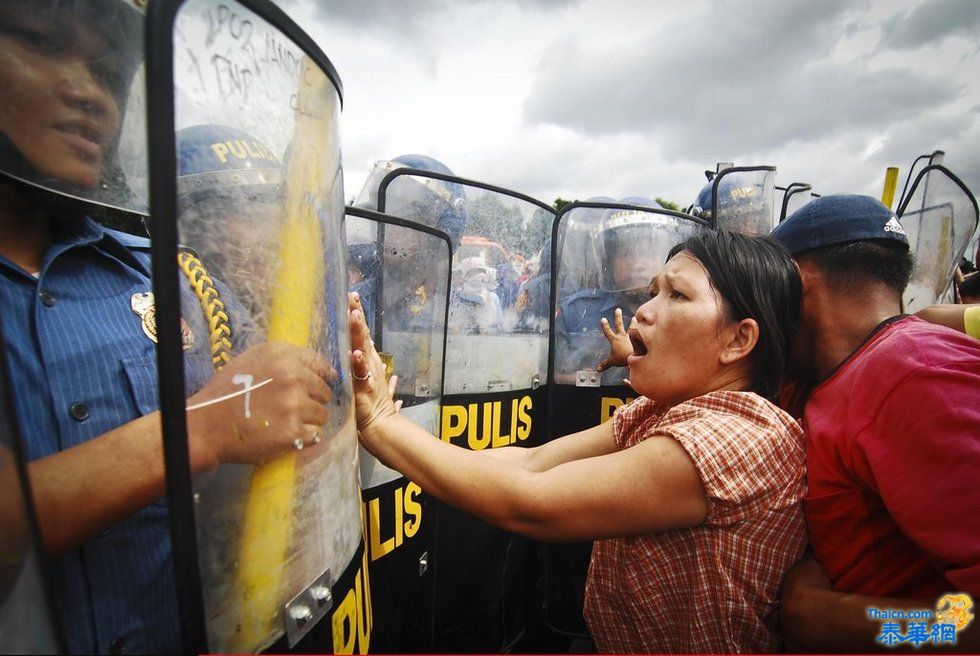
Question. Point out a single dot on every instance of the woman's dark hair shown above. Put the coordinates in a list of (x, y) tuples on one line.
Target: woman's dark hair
[(757, 279)]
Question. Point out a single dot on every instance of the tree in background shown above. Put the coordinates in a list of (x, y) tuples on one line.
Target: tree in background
[(561, 202)]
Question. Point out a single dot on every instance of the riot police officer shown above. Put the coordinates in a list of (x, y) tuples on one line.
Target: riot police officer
[(417, 199), (80, 329), (623, 266), (230, 189), (744, 201)]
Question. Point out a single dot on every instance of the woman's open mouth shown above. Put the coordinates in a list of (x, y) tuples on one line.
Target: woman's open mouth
[(639, 348)]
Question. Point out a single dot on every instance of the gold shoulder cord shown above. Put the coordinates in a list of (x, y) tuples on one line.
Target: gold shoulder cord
[(219, 327)]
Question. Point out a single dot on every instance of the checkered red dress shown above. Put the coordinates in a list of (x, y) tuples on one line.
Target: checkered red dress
[(712, 588)]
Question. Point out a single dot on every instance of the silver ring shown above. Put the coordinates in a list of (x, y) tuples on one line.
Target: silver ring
[(298, 443), (370, 374), (316, 437)]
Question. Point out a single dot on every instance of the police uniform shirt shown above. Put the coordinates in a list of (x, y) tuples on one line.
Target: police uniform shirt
[(82, 365)]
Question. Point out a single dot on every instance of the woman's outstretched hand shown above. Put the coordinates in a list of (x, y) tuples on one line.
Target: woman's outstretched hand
[(372, 394), (620, 346)]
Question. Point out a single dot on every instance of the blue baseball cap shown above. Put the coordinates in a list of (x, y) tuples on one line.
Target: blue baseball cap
[(838, 219)]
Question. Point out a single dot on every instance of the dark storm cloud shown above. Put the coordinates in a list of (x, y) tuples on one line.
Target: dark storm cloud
[(399, 17), (952, 133), (405, 20), (931, 22), (740, 78)]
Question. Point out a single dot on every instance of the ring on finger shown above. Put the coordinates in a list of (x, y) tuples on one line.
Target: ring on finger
[(299, 443), (368, 375)]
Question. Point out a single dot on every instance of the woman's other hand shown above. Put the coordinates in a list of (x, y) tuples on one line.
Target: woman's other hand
[(620, 346)]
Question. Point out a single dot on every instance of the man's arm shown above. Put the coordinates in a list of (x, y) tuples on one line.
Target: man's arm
[(82, 491), (85, 490), (956, 317), (816, 618)]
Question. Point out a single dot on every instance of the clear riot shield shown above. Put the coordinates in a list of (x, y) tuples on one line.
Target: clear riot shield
[(27, 621), (939, 215), (927, 159), (743, 199), (496, 369), (795, 196), (402, 273), (256, 339), (605, 254)]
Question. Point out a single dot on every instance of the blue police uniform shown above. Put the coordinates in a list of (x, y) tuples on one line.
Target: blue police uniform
[(579, 339), (82, 365)]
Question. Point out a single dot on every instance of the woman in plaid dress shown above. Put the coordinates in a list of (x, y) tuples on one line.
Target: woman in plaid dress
[(692, 493)]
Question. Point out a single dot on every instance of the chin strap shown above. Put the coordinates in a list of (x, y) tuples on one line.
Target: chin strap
[(219, 328)]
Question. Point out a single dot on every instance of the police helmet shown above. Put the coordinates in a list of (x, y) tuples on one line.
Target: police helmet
[(743, 198), (222, 161), (625, 249), (73, 103), (229, 195), (440, 204)]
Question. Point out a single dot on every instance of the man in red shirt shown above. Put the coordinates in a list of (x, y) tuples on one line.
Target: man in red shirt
[(890, 406)]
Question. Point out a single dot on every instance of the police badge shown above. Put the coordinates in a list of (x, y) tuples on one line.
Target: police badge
[(145, 308)]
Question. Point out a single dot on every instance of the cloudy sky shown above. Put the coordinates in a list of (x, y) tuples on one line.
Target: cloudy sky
[(580, 98)]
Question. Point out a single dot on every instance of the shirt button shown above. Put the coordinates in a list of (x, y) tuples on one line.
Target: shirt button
[(79, 411), (117, 646), (46, 297)]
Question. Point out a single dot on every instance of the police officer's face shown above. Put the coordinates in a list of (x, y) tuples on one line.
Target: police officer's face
[(633, 264), (56, 106)]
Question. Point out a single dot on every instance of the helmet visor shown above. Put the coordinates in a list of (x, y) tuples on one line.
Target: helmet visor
[(632, 245)]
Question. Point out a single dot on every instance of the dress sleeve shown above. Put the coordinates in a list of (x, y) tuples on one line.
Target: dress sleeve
[(922, 454), (747, 466), (634, 416)]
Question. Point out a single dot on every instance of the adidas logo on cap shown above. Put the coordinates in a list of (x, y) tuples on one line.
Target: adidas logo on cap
[(894, 226)]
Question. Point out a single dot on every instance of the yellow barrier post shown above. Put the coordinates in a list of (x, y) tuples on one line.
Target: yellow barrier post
[(294, 319), (891, 183)]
